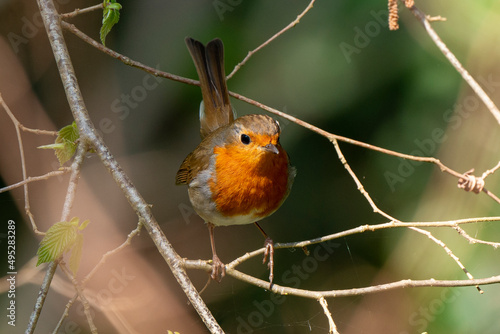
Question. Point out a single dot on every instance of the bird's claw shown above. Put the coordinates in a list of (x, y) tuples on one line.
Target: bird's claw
[(218, 269)]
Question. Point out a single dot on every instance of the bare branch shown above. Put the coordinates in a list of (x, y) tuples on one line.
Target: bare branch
[(44, 289), (283, 290), (38, 131), (331, 323), (30, 179), (447, 250), (65, 314), (124, 59), (490, 171), (357, 230), (81, 296), (78, 11), (358, 183), (260, 47), (17, 125), (76, 167), (112, 252), (456, 63), (472, 240), (476, 184)]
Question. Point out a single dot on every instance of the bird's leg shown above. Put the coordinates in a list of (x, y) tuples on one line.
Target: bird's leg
[(218, 268), (269, 245)]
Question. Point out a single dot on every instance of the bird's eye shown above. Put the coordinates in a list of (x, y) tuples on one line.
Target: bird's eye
[(245, 139)]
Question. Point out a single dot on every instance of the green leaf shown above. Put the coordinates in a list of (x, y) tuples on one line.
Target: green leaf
[(69, 133), (83, 225), (56, 241), (60, 238), (110, 17), (65, 143), (59, 146), (76, 254)]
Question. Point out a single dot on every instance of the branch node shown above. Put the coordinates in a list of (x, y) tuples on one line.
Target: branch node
[(471, 183)]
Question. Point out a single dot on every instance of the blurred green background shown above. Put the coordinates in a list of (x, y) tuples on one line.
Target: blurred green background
[(340, 69)]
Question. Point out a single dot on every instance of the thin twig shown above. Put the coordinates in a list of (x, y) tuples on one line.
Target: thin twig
[(447, 250), (76, 167), (331, 136), (81, 296), (490, 171), (288, 27), (360, 186), (331, 323), (472, 240), (112, 252), (492, 195), (124, 59), (38, 131), (422, 17), (362, 229), (78, 11), (65, 314), (381, 212), (17, 125), (94, 270), (44, 289), (68, 203), (283, 290), (30, 179)]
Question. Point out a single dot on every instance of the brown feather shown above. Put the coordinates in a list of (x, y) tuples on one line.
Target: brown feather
[(209, 63)]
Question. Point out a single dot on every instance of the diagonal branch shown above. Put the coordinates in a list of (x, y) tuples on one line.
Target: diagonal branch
[(279, 33), (44, 290), (456, 63), (448, 251), (331, 323), (89, 134), (68, 203)]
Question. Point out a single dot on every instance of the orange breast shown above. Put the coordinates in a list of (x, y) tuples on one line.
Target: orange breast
[(249, 180)]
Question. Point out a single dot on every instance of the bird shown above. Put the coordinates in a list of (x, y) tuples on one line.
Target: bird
[(239, 173)]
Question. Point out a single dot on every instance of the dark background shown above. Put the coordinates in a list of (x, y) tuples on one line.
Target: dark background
[(340, 69)]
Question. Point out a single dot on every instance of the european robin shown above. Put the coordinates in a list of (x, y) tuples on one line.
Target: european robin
[(239, 173)]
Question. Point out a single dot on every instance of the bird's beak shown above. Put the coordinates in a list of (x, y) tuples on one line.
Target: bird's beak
[(271, 148)]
